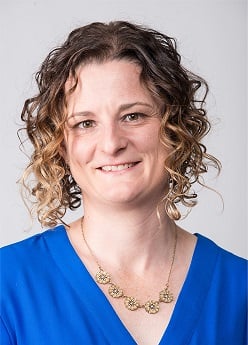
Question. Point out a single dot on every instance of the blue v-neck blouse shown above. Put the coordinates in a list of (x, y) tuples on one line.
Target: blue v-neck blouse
[(48, 297)]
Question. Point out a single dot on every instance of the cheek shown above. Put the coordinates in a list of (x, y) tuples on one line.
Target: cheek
[(156, 151), (150, 142), (76, 150)]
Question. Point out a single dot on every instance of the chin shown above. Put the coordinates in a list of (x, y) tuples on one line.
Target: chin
[(120, 199), (118, 195)]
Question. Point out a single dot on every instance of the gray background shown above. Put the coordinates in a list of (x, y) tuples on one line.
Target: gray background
[(211, 37)]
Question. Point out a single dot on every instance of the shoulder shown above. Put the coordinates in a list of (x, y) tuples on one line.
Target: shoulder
[(224, 256), (228, 268), (29, 262), (28, 250), (220, 279)]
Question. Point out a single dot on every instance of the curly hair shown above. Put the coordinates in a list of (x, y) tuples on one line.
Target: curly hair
[(183, 125)]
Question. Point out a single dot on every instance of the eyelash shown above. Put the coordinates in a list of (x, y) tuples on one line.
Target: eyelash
[(132, 117), (83, 123), (137, 116)]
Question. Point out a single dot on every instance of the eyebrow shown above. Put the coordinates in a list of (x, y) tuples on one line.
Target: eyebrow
[(122, 107), (130, 105)]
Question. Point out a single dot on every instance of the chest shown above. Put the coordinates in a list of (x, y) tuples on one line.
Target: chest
[(145, 328)]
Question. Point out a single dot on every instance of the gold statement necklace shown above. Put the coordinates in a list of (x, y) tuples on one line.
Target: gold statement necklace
[(130, 302)]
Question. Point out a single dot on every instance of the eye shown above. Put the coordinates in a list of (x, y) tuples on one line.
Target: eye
[(133, 117), (85, 124)]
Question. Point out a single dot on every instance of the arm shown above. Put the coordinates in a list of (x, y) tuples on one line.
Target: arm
[(5, 338)]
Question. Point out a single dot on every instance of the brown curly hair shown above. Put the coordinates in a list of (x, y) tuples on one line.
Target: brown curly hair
[(183, 124)]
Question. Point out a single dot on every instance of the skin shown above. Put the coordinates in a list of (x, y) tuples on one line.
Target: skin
[(112, 147), (112, 136)]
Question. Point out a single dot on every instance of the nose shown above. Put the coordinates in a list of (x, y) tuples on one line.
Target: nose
[(113, 139)]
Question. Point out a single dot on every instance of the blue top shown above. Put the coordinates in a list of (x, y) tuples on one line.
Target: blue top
[(48, 297)]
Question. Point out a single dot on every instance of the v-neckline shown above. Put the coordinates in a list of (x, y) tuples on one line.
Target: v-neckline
[(189, 301)]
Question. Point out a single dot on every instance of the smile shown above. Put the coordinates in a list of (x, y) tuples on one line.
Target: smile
[(117, 167)]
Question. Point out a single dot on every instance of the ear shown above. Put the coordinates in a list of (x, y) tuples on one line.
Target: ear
[(63, 152)]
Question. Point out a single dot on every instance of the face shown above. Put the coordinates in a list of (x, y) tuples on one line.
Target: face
[(112, 136)]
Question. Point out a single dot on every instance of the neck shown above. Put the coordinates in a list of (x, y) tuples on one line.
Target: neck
[(137, 236)]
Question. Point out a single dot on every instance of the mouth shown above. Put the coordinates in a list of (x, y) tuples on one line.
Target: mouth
[(118, 167)]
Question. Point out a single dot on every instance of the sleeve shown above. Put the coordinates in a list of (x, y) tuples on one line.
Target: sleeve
[(5, 338)]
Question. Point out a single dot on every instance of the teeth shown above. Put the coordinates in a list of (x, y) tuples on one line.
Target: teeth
[(117, 167)]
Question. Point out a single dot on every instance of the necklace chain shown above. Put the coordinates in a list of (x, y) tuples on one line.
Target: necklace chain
[(130, 302)]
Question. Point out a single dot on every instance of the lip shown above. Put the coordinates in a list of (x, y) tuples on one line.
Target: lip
[(117, 167)]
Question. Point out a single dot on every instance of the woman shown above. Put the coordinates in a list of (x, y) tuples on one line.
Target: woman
[(119, 122)]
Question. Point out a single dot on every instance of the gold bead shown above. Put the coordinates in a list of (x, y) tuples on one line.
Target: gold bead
[(115, 291), (166, 296), (131, 303), (103, 277), (152, 307)]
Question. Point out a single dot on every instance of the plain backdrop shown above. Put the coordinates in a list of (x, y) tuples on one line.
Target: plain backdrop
[(212, 40)]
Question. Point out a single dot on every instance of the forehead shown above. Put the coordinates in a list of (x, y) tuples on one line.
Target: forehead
[(110, 79)]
